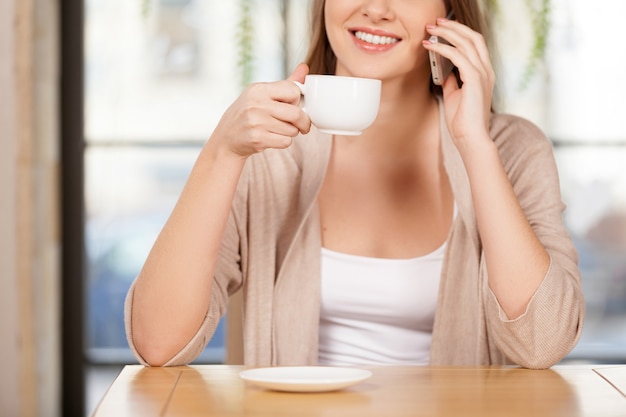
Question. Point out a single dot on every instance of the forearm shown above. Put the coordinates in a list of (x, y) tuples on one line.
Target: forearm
[(516, 260), (172, 291)]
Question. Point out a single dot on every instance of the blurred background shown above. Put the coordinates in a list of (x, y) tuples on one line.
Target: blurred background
[(154, 76)]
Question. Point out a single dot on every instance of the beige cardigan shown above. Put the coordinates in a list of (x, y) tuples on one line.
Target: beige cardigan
[(271, 251)]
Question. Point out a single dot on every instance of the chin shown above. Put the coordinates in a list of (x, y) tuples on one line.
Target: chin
[(365, 71), (385, 70)]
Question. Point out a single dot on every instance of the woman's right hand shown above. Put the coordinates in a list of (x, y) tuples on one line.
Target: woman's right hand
[(266, 115)]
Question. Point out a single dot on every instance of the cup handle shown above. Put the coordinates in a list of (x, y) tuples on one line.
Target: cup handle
[(301, 87)]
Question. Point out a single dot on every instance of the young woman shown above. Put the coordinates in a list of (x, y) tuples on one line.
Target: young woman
[(435, 237)]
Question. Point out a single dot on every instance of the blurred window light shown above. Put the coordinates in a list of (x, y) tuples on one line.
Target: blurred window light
[(156, 84)]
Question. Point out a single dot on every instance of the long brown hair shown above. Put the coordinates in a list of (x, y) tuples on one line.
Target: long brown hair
[(322, 60)]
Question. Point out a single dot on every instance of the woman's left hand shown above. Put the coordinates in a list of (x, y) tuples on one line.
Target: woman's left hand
[(467, 108)]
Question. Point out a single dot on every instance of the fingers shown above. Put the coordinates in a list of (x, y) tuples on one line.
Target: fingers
[(295, 120), (462, 36), (468, 52), (286, 91), (280, 100), (291, 114), (299, 73)]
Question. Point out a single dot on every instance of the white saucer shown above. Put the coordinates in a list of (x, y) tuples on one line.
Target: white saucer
[(305, 378)]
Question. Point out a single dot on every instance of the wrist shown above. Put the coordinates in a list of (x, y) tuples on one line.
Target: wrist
[(476, 148), (214, 153)]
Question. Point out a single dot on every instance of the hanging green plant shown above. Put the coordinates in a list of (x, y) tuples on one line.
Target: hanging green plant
[(145, 7), (245, 31), (539, 11), (540, 15)]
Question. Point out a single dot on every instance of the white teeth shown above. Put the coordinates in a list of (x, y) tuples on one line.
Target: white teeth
[(375, 39)]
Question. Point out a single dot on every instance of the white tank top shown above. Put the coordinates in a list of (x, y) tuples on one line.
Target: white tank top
[(377, 311)]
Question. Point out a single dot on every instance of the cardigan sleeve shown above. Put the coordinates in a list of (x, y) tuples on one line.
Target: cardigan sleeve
[(552, 323)]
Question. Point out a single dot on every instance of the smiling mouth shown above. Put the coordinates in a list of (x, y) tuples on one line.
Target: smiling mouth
[(374, 39)]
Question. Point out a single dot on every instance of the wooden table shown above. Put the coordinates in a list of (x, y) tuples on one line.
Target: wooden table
[(217, 390)]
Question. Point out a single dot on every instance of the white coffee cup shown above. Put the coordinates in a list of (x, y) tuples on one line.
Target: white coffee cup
[(340, 105)]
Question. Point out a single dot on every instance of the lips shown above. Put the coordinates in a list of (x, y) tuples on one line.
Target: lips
[(374, 40)]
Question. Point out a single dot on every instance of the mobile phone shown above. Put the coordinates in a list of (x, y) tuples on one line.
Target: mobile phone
[(440, 67)]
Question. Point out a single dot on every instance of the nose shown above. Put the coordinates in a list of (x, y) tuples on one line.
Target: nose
[(377, 10)]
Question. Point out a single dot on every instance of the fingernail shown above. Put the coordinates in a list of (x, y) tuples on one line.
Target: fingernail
[(430, 27), (441, 20)]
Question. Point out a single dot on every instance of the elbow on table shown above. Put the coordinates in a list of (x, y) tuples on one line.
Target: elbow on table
[(539, 362), (153, 355), (545, 353), (154, 360)]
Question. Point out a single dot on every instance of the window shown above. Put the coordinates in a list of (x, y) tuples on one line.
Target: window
[(155, 87), (586, 123), (579, 101)]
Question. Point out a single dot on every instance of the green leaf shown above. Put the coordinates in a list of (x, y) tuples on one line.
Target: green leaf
[(245, 31), (145, 7), (540, 20)]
